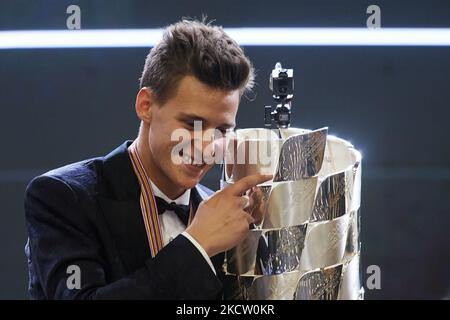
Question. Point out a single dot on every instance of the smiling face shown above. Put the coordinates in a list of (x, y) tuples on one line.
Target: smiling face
[(191, 101)]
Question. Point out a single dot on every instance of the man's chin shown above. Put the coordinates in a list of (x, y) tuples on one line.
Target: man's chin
[(187, 183), (188, 178)]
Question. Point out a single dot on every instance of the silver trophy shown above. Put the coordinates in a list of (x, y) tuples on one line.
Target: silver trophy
[(305, 243)]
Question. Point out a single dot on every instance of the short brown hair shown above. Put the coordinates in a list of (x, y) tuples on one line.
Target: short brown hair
[(191, 47)]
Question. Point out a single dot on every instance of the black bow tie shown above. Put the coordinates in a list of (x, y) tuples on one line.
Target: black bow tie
[(182, 211)]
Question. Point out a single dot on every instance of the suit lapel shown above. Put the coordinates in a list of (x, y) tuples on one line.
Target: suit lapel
[(119, 200)]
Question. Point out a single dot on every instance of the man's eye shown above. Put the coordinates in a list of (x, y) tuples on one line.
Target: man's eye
[(222, 133)]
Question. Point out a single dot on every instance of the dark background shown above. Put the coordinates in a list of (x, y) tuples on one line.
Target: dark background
[(64, 105)]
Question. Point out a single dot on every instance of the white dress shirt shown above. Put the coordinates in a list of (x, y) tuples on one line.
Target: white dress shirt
[(172, 226)]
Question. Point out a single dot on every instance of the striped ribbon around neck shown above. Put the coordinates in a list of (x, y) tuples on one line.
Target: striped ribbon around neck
[(148, 204)]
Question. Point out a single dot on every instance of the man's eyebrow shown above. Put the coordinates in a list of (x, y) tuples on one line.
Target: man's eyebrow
[(190, 116)]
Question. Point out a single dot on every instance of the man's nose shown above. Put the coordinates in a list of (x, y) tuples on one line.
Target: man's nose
[(207, 144)]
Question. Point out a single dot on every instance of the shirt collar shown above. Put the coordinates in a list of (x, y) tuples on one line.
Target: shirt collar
[(183, 199)]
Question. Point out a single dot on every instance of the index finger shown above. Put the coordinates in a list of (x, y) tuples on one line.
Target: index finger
[(246, 183)]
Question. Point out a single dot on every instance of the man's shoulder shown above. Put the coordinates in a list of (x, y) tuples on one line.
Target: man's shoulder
[(84, 177), (81, 176)]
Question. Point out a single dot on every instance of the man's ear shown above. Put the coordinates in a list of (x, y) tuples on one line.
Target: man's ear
[(145, 101)]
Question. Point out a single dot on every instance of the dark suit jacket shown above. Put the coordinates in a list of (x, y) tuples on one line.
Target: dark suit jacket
[(88, 214)]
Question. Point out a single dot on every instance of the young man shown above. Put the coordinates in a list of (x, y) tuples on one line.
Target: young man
[(137, 224)]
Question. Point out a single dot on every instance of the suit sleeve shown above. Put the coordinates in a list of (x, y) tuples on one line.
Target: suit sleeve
[(61, 235)]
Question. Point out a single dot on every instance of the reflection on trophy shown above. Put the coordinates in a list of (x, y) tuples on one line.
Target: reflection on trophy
[(305, 241)]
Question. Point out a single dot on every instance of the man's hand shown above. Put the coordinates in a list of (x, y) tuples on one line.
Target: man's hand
[(221, 221)]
